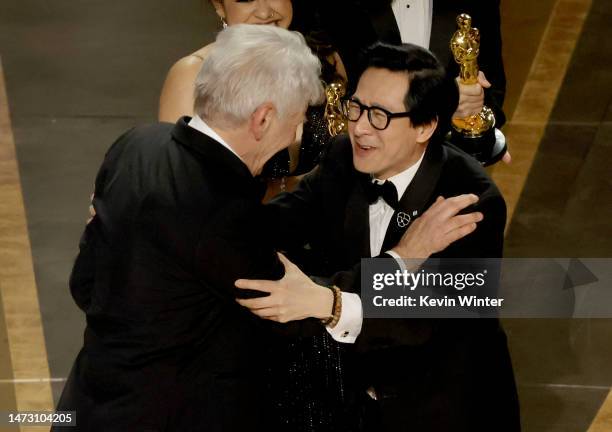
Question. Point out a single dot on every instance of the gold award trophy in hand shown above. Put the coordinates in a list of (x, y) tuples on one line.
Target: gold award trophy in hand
[(336, 120), (475, 134)]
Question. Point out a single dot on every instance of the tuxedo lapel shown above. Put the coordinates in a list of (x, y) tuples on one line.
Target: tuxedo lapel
[(385, 25), (443, 26), (357, 223), (418, 195)]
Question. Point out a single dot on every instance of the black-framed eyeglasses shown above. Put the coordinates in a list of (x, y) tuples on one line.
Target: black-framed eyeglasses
[(379, 117)]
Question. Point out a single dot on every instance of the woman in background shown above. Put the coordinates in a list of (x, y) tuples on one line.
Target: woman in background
[(284, 170)]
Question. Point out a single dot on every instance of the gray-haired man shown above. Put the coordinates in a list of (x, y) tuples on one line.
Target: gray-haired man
[(177, 222)]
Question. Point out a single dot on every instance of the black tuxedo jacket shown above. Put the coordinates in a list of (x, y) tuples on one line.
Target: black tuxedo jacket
[(355, 24), (166, 346), (431, 375)]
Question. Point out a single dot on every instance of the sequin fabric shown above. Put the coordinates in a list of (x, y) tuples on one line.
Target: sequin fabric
[(309, 392), (308, 381), (315, 137)]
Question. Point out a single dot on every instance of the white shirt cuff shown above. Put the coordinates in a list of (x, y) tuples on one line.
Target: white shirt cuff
[(400, 261), (351, 318)]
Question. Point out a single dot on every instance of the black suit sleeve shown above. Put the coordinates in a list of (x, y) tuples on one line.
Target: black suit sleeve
[(296, 218), (94, 259), (491, 60), (487, 241)]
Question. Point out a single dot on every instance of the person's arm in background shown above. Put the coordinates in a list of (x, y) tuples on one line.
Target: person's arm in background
[(177, 94), (491, 60), (491, 88)]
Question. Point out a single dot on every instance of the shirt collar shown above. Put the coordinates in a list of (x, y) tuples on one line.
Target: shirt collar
[(200, 125), (404, 178)]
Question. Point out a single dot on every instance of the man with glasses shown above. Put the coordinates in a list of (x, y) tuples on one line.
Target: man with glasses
[(374, 190)]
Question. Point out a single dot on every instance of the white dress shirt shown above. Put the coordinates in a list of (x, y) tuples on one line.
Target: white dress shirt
[(200, 125), (414, 20), (380, 214)]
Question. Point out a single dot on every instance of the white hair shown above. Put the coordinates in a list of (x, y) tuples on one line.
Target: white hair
[(249, 65)]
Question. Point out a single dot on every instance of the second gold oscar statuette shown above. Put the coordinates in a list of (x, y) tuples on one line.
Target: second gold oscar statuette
[(475, 134)]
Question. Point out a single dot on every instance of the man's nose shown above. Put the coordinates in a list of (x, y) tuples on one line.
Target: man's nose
[(362, 124)]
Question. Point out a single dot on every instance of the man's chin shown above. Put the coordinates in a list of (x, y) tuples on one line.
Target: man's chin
[(361, 167)]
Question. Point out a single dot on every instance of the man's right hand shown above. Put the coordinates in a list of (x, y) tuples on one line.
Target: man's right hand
[(438, 227)]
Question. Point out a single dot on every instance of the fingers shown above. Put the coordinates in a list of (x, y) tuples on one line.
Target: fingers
[(470, 90), (467, 109), (435, 207), (507, 158), (460, 221), (459, 233), (459, 202), (257, 285), (282, 258), (451, 206), (273, 313), (471, 106), (269, 314), (91, 209), (482, 80), (437, 203), (471, 98), (258, 303), (264, 307)]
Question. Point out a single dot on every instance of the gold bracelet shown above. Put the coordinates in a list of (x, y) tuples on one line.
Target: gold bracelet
[(336, 309)]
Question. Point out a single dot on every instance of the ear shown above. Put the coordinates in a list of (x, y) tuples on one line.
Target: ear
[(261, 119), (218, 5), (425, 131)]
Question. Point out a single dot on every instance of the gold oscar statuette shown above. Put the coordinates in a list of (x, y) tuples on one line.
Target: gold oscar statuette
[(475, 134), (336, 121)]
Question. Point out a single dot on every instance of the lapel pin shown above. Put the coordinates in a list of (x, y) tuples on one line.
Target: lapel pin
[(403, 219)]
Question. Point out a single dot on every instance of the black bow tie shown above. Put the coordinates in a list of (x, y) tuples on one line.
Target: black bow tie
[(385, 190)]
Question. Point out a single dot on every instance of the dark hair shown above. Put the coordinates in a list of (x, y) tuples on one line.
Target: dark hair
[(307, 20), (431, 94)]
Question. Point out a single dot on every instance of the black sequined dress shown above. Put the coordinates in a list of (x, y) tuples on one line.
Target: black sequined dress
[(309, 385), (308, 379), (315, 137)]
